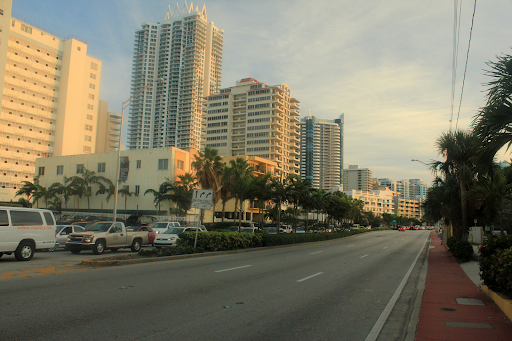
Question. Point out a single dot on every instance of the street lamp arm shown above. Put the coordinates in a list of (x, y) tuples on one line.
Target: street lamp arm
[(419, 162)]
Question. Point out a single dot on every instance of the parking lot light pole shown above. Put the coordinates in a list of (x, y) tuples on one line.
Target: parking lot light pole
[(125, 105)]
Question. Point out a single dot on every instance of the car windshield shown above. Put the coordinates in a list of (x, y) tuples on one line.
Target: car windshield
[(100, 227), (160, 226), (174, 230)]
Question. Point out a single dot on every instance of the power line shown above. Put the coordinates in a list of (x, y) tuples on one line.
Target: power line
[(466, 66)]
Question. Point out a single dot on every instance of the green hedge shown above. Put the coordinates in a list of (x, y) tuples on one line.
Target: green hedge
[(169, 251), (496, 263), (221, 241), (462, 250)]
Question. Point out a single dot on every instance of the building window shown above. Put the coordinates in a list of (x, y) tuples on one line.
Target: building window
[(137, 189), (93, 76), (90, 106), (41, 171), (27, 29), (94, 66), (88, 127), (179, 164), (91, 96), (79, 168), (78, 48), (139, 163), (163, 164), (60, 170), (87, 149), (101, 167), (88, 138), (89, 117), (92, 86)]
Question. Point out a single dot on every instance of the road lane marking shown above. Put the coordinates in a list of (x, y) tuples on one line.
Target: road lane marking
[(314, 253), (238, 267), (365, 255), (385, 248), (350, 245), (50, 270), (374, 333), (306, 278)]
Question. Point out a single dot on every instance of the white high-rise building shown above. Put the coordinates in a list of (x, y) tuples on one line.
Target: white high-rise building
[(357, 178), (185, 52), (320, 153), (254, 118), (50, 94)]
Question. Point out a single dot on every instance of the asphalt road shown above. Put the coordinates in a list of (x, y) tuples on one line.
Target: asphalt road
[(332, 290)]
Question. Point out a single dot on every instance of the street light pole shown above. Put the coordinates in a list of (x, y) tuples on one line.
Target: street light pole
[(125, 105), (419, 161)]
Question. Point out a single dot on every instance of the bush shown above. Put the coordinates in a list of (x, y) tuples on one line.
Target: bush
[(462, 250), (220, 241), (451, 242), (502, 270), (489, 265)]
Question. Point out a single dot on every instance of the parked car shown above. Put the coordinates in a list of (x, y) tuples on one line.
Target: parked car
[(170, 237), (61, 235), (162, 226), (151, 232), (139, 219)]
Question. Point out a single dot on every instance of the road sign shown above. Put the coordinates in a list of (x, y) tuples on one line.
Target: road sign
[(202, 198)]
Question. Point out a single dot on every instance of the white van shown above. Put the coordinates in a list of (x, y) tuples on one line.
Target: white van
[(23, 230)]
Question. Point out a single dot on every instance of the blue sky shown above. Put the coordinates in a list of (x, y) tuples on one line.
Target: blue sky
[(387, 65)]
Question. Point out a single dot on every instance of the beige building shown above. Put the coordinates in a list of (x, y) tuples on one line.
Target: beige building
[(50, 93), (108, 129), (147, 170), (410, 208), (376, 201), (255, 119), (357, 178)]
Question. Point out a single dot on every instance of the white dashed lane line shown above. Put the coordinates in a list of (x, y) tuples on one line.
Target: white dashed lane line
[(239, 267), (314, 253), (306, 278), (365, 255)]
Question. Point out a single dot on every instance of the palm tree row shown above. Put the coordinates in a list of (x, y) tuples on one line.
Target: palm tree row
[(469, 185)]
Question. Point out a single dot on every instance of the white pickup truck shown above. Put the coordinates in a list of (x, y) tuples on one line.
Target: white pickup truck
[(106, 235)]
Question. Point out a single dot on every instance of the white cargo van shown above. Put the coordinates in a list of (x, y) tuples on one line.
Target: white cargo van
[(23, 230)]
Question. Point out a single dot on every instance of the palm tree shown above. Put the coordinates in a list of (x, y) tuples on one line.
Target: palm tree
[(297, 189), (29, 188), (262, 194), (106, 186), (66, 190), (278, 195), (162, 194), (241, 179), (77, 186), (458, 148), (493, 125), (183, 189), (209, 169), (125, 192), (88, 178)]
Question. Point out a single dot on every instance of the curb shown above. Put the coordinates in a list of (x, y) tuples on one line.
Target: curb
[(504, 304)]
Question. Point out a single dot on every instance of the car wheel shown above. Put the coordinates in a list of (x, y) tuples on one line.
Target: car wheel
[(25, 251), (99, 247), (75, 249), (114, 249), (136, 245)]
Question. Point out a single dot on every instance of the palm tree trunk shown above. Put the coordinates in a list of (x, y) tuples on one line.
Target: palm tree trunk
[(463, 233)]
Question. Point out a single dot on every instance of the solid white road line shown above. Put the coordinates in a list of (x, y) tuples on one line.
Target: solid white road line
[(306, 278), (374, 333), (385, 248), (365, 255), (239, 267), (350, 245), (313, 253)]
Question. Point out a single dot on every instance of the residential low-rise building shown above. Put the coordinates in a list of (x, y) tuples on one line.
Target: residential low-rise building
[(378, 201)]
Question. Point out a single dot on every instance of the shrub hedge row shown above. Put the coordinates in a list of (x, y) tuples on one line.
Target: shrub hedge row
[(496, 263), (462, 250)]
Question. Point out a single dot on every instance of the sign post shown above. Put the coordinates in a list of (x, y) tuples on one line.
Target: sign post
[(202, 199)]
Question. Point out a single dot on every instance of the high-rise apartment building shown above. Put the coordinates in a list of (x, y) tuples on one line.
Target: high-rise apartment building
[(340, 121), (109, 129), (50, 93), (254, 118), (357, 178), (320, 154), (184, 51), (413, 189)]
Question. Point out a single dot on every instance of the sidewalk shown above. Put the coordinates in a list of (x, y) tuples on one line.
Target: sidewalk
[(453, 308)]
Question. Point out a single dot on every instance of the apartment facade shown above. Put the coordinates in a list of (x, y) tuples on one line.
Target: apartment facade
[(255, 119), (109, 129), (408, 188), (50, 93), (377, 201), (184, 52), (355, 178), (320, 153), (409, 208), (147, 170)]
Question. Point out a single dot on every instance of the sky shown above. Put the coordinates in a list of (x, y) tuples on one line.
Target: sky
[(385, 64)]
